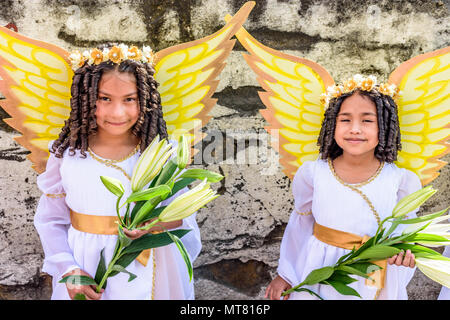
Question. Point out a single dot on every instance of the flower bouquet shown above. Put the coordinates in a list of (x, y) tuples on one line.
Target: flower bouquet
[(164, 176), (420, 233)]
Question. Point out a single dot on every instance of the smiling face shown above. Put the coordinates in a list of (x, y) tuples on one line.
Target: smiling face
[(356, 129), (117, 104)]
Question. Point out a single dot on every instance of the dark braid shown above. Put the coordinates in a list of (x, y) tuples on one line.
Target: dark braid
[(82, 121), (388, 127)]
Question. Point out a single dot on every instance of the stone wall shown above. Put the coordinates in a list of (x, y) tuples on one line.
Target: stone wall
[(242, 230)]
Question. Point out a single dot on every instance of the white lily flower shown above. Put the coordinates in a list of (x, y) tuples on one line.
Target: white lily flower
[(412, 201), (437, 270), (188, 203), (433, 225), (150, 163)]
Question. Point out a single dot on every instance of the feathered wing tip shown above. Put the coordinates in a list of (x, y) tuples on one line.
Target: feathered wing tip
[(36, 79), (293, 87), (187, 74), (424, 113)]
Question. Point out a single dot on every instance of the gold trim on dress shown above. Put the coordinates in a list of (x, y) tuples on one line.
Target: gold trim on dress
[(111, 162), (304, 213), (55, 195), (355, 187)]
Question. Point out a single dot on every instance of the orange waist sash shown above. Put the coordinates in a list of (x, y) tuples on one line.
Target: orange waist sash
[(101, 225), (346, 240)]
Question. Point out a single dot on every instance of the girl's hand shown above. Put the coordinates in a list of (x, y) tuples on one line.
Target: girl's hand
[(88, 290), (276, 288), (401, 260), (158, 228)]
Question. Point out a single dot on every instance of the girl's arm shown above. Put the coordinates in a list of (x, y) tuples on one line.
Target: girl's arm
[(52, 220)]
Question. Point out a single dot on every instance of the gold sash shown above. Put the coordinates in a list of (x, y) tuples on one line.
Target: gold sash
[(101, 225), (346, 240)]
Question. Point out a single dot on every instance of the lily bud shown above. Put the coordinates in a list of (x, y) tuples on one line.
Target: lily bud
[(183, 152), (437, 270), (150, 163), (412, 201), (188, 203), (113, 185)]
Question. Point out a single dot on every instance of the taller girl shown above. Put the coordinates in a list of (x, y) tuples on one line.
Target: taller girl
[(115, 114)]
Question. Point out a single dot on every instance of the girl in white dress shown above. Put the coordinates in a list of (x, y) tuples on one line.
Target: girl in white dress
[(352, 187), (115, 114)]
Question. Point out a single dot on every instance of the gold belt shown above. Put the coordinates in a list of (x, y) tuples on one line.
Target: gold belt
[(346, 240), (101, 225)]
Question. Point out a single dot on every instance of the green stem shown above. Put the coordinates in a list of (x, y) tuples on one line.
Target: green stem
[(118, 210), (108, 271)]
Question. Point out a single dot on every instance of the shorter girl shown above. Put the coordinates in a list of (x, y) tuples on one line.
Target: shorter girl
[(351, 188), (115, 114)]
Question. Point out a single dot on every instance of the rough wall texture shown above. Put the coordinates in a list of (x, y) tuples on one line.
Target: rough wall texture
[(242, 231)]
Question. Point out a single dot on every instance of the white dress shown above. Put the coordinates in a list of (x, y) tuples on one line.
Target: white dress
[(66, 248), (336, 206)]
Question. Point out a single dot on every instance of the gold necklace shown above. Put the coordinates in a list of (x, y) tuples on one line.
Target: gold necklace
[(111, 163), (355, 187)]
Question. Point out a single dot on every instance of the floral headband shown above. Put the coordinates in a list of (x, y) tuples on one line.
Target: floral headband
[(116, 54), (362, 83)]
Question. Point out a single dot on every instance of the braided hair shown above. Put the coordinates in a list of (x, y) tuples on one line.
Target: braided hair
[(388, 127), (82, 121)]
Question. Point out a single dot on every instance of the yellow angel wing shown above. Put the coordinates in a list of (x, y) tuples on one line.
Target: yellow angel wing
[(36, 79), (187, 73), (292, 97), (424, 112)]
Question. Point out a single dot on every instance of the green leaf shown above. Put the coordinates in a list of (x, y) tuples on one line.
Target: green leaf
[(149, 193), (418, 237), (143, 212), (183, 253), (101, 268), (79, 296), (154, 213), (378, 252), (415, 248), (366, 267), (180, 184), (78, 280), (342, 288), (341, 276), (114, 185), (167, 172), (354, 271), (431, 256), (202, 174), (119, 268), (318, 275), (147, 241), (423, 218)]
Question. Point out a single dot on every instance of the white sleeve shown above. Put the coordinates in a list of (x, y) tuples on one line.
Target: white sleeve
[(52, 220), (409, 183), (300, 225)]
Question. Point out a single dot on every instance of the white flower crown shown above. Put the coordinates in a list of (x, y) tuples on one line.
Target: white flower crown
[(116, 54), (360, 82)]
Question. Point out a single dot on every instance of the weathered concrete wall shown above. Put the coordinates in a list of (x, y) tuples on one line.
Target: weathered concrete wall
[(242, 230)]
